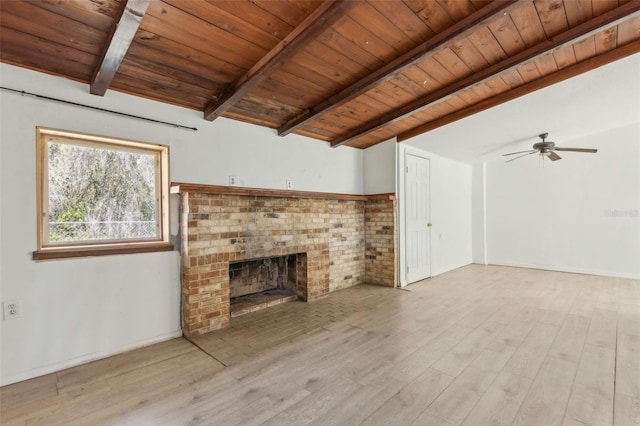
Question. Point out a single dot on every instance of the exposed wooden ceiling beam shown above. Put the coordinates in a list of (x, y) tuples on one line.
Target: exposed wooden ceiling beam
[(440, 41), (573, 35), (122, 33), (532, 86), (325, 15)]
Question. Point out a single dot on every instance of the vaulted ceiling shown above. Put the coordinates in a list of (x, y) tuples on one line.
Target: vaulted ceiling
[(347, 72)]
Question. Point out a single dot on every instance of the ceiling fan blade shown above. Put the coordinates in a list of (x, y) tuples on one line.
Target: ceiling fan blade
[(553, 156), (520, 156), (577, 150), (520, 152)]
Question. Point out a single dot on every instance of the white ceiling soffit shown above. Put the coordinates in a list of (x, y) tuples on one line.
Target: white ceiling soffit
[(605, 98)]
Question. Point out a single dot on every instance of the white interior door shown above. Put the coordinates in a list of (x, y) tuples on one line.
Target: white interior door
[(417, 218)]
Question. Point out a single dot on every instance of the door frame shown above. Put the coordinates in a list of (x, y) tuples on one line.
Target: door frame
[(402, 151)]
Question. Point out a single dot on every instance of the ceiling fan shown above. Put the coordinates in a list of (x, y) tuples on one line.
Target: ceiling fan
[(547, 149)]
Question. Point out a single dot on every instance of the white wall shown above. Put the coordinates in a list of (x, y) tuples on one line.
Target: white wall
[(451, 237), (479, 218), (450, 214), (578, 214), (380, 168), (77, 310)]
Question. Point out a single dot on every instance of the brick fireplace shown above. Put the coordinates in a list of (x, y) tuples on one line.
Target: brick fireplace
[(326, 232)]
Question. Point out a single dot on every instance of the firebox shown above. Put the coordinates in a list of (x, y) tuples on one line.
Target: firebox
[(258, 283)]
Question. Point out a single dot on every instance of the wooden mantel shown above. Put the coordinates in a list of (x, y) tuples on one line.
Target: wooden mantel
[(178, 187)]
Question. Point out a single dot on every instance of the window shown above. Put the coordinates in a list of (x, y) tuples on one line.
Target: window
[(100, 195)]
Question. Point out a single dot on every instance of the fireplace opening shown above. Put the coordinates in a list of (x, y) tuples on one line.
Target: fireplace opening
[(259, 283)]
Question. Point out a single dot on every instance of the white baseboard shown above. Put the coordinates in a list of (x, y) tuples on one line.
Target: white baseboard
[(569, 269), (52, 368)]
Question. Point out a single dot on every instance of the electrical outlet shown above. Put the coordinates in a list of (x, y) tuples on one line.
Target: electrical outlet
[(11, 309), (289, 184), (232, 181)]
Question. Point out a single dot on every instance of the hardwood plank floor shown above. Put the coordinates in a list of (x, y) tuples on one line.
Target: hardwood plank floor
[(591, 401), (476, 346)]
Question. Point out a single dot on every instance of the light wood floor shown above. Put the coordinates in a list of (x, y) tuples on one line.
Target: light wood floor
[(476, 346)]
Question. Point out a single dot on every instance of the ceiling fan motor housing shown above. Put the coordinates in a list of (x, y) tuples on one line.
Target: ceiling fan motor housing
[(544, 146)]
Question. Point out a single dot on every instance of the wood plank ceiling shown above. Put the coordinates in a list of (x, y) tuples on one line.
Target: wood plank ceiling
[(346, 72)]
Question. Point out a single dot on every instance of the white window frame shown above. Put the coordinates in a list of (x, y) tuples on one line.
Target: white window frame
[(48, 250)]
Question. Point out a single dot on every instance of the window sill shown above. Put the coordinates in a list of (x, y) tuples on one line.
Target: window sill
[(88, 251)]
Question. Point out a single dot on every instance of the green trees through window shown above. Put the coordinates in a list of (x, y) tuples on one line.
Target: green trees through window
[(100, 194)]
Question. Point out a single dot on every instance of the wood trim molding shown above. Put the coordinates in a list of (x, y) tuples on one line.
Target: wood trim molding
[(375, 197), (322, 17), (89, 251), (430, 47), (178, 188), (122, 33)]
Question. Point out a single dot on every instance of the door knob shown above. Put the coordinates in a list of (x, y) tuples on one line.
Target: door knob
[(429, 225)]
